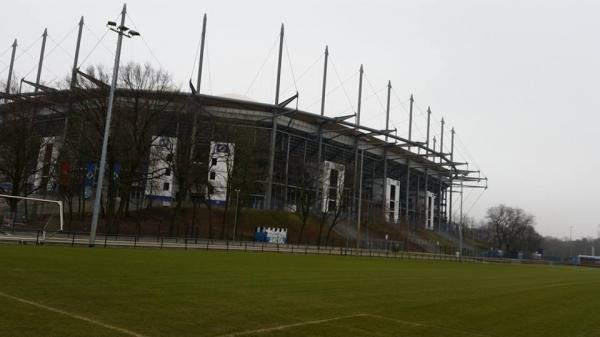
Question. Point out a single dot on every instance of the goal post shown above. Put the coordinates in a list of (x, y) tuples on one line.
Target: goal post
[(59, 203)]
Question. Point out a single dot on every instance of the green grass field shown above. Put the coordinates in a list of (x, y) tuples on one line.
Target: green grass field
[(55, 291)]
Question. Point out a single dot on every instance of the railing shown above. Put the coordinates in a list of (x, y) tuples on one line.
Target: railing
[(166, 242)]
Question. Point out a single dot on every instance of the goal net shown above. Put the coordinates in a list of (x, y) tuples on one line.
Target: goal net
[(29, 215)]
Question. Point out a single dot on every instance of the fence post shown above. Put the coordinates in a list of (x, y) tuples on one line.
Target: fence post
[(135, 241), (104, 241), (37, 238), (73, 240), (246, 246), (161, 242), (227, 245), (185, 243)]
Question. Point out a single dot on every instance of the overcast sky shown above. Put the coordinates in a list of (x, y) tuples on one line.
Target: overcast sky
[(518, 80)]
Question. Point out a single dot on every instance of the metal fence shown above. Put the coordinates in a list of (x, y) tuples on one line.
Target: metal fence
[(165, 242)]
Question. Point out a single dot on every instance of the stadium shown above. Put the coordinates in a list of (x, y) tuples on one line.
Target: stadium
[(219, 150)]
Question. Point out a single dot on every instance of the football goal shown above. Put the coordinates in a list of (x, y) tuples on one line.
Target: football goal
[(28, 214)]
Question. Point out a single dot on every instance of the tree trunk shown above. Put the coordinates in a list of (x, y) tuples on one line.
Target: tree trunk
[(321, 224), (304, 220), (226, 210), (209, 207)]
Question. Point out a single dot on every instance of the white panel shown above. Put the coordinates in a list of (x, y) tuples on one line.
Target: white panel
[(51, 162), (392, 200), (326, 189), (161, 182), (429, 210), (220, 166)]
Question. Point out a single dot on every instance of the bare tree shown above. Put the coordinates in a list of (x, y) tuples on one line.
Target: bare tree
[(25, 165), (336, 213), (140, 118), (510, 227), (307, 194)]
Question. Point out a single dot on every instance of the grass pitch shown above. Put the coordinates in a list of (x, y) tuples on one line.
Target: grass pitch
[(55, 291)]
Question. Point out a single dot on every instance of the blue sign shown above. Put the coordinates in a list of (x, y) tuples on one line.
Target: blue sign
[(90, 178), (116, 171)]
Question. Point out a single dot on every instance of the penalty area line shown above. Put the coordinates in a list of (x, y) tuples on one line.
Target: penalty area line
[(293, 325), (71, 315)]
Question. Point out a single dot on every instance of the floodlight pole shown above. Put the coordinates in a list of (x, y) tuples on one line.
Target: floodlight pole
[(385, 168), (269, 190), (324, 81), (10, 68), (73, 76), (442, 141), (201, 59), (198, 84), (410, 118), (76, 58), (360, 82), (407, 203), (356, 126), (41, 61), (428, 127), (358, 211), (439, 197), (461, 224), (451, 175), (323, 92), (441, 160), (320, 155), (427, 169), (96, 211)]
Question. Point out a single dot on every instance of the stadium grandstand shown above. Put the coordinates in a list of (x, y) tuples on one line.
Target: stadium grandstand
[(171, 148)]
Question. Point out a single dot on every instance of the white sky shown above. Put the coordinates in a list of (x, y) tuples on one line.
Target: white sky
[(518, 80)]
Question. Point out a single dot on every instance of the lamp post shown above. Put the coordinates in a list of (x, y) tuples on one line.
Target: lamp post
[(460, 225), (235, 216), (121, 30), (571, 242)]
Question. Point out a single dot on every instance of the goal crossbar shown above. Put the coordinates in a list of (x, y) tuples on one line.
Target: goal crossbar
[(60, 204)]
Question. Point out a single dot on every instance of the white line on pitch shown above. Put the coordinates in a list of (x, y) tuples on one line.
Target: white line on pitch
[(424, 325), (66, 313), (287, 326)]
